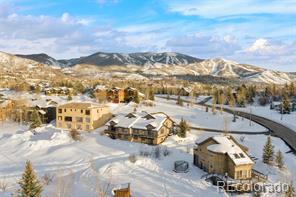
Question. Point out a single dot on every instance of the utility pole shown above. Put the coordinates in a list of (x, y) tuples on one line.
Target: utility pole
[(250, 116), (282, 110)]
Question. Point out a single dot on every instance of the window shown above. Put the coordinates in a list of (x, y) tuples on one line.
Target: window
[(68, 118), (87, 112), (87, 120), (60, 118), (81, 111), (79, 119), (60, 111), (65, 110), (87, 127), (241, 155), (236, 156), (79, 127)]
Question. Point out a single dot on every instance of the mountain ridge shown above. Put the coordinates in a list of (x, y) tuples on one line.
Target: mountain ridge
[(162, 64)]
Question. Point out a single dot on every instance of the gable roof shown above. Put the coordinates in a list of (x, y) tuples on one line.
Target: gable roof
[(227, 145), (140, 120)]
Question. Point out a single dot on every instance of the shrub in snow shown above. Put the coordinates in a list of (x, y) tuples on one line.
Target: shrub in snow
[(132, 158), (47, 178), (3, 185), (145, 153), (242, 138), (157, 152), (75, 135), (165, 151)]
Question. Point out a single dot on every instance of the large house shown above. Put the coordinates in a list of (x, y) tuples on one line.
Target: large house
[(80, 115), (225, 156), (132, 94), (143, 127), (115, 95), (6, 107)]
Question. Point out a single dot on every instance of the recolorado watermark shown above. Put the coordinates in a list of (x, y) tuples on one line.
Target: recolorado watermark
[(258, 187)]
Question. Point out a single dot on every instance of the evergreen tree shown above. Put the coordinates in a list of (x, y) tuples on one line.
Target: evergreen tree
[(183, 128), (268, 151), (292, 89), (137, 98), (151, 95), (285, 104), (279, 159), (35, 120), (29, 184), (179, 101), (69, 97)]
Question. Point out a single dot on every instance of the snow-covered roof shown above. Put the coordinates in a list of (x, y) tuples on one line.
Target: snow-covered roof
[(140, 120), (226, 145)]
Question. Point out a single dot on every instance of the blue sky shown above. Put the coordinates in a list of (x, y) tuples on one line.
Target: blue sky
[(260, 32)]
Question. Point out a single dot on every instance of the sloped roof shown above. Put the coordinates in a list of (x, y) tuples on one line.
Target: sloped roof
[(226, 145), (81, 105), (139, 120)]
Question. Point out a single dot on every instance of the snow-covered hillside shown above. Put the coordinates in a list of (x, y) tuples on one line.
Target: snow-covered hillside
[(160, 64)]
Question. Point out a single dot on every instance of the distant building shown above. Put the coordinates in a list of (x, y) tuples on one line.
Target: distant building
[(132, 94), (115, 95), (6, 108), (223, 155), (100, 93), (141, 127), (185, 91), (59, 91), (80, 115)]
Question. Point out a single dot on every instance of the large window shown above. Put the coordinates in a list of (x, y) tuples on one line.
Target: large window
[(79, 119), (60, 111), (87, 112), (68, 118), (87, 120)]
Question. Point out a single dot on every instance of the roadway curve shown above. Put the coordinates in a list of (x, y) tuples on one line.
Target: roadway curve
[(286, 134)]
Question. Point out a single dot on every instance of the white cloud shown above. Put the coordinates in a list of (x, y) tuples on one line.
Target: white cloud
[(213, 8), (204, 46), (102, 2)]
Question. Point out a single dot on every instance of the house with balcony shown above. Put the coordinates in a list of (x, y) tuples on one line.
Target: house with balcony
[(84, 116), (223, 155), (142, 127), (115, 95)]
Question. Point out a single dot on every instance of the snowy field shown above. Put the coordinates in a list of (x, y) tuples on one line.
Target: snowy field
[(99, 159), (195, 115), (288, 120)]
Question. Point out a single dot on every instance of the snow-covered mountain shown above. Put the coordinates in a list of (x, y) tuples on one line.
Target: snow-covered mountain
[(18, 67), (161, 64), (43, 59)]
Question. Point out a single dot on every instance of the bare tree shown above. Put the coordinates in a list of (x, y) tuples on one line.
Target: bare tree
[(64, 184), (3, 185)]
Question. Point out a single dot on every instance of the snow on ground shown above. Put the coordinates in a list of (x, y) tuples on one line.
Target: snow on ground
[(98, 158), (288, 120), (52, 151), (195, 115)]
